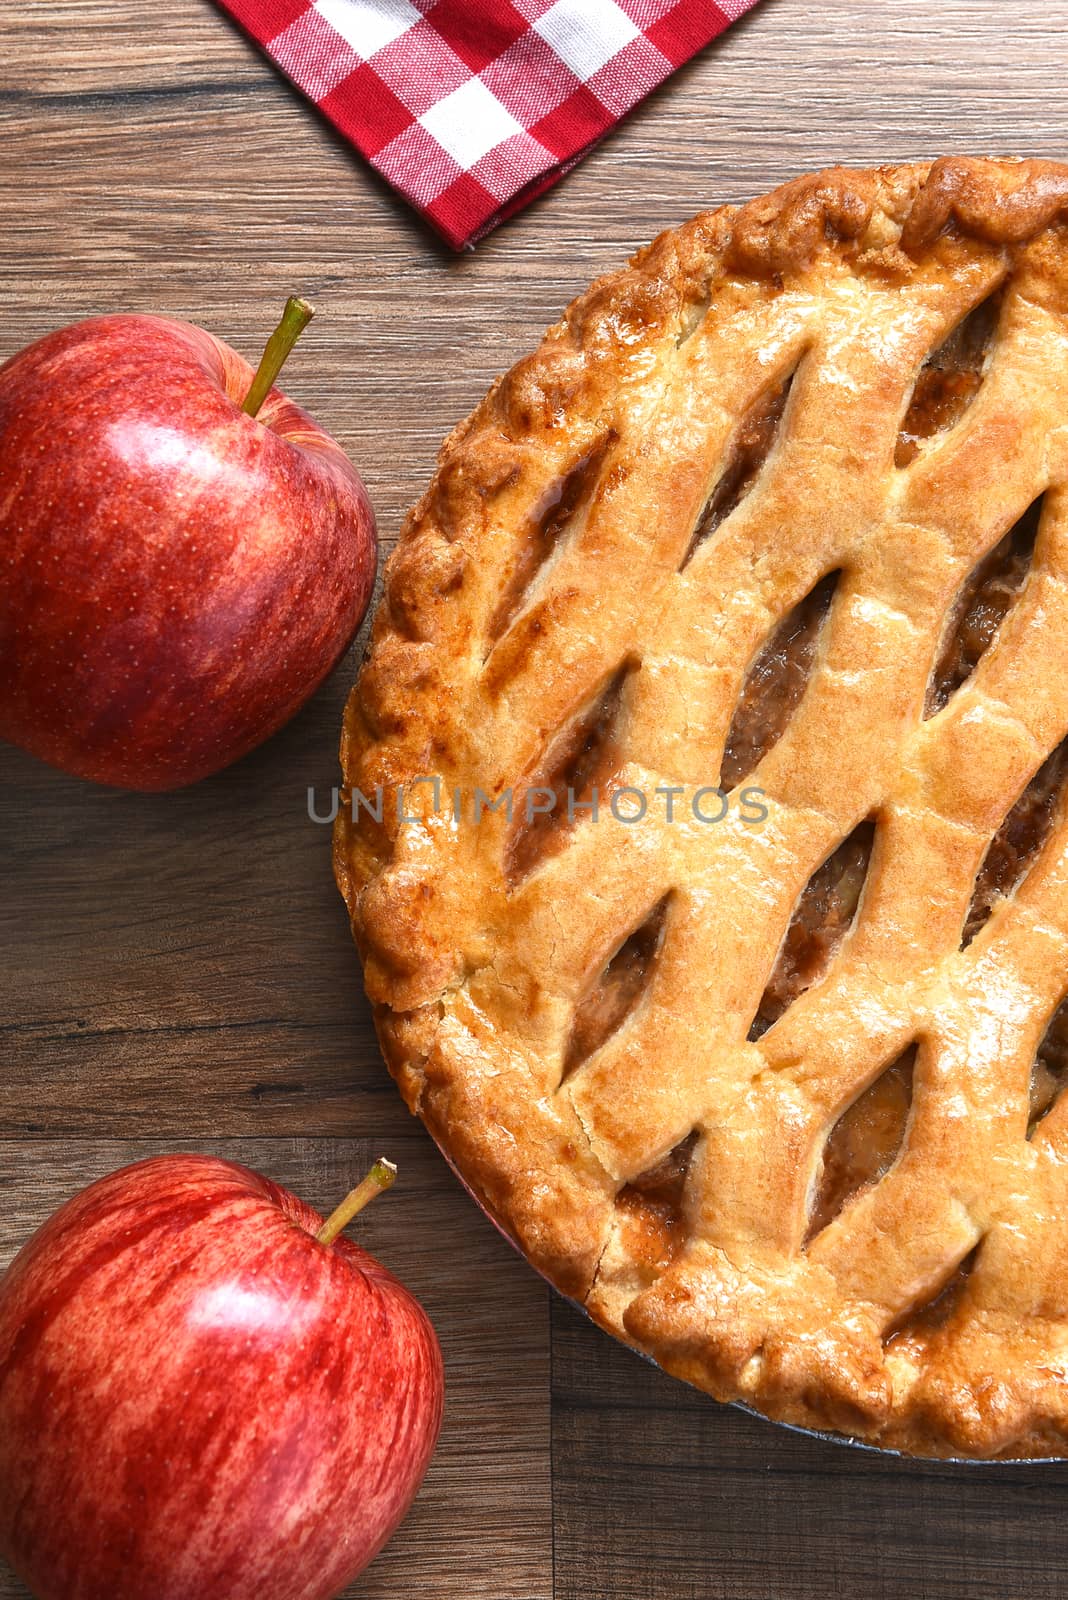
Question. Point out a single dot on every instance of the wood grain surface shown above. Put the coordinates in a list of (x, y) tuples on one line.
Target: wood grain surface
[(177, 970)]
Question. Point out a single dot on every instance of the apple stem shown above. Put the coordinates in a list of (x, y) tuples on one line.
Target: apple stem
[(294, 319), (381, 1176)]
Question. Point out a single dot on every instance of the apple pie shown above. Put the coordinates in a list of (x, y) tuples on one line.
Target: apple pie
[(704, 832)]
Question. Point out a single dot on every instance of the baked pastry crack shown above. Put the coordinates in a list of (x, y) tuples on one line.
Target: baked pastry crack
[(720, 936)]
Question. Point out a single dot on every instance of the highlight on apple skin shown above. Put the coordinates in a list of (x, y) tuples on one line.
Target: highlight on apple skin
[(201, 1401), (176, 576)]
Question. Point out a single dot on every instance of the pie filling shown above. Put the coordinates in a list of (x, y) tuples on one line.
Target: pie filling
[(981, 608), (749, 448), (1018, 841), (1050, 1071), (580, 760), (949, 381), (549, 520), (774, 684), (865, 1141), (822, 917), (652, 1208), (616, 992), (922, 1320)]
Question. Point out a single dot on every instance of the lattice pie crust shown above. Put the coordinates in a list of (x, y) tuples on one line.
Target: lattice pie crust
[(780, 507)]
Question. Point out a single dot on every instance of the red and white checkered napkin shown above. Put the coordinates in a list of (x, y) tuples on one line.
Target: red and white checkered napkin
[(472, 107)]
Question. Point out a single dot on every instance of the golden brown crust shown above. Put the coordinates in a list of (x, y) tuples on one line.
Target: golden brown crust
[(843, 281)]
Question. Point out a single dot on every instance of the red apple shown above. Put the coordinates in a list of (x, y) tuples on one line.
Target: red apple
[(176, 576), (199, 1400)]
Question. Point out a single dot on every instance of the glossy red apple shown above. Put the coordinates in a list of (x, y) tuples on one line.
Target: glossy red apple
[(176, 575), (201, 1401)]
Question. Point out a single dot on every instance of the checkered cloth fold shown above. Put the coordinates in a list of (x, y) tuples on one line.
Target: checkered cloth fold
[(470, 108)]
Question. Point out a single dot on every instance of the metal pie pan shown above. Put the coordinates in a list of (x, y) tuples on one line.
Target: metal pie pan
[(841, 1440)]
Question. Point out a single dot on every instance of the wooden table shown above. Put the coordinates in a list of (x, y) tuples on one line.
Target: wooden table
[(177, 970)]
